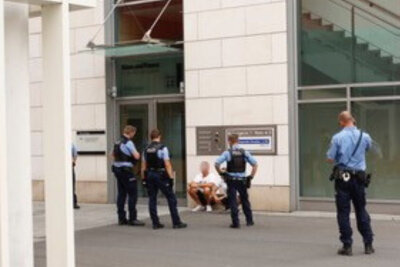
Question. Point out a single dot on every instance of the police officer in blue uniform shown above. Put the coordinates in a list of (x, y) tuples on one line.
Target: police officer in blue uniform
[(158, 176), (237, 179), (74, 155), (347, 152), (125, 157)]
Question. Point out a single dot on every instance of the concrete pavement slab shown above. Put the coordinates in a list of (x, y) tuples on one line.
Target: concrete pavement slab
[(274, 241)]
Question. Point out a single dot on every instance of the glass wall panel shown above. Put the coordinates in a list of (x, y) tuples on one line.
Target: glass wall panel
[(149, 76), (318, 122), (381, 120), (347, 43), (133, 21)]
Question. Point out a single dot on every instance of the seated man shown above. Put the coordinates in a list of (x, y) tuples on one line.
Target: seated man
[(219, 192), (203, 188)]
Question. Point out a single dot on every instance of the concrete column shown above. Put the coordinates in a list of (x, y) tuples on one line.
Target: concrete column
[(57, 136), (4, 252), (18, 135)]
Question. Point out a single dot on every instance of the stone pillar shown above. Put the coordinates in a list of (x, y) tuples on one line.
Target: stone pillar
[(18, 135), (4, 252), (57, 136)]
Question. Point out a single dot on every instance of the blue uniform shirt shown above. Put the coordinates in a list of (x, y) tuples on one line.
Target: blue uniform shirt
[(128, 149), (226, 157), (74, 151), (343, 145)]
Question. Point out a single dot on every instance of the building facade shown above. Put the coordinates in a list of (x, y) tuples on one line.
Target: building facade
[(214, 66)]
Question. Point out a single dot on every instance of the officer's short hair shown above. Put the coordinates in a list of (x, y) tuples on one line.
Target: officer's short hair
[(155, 134), (346, 116), (234, 138), (129, 129)]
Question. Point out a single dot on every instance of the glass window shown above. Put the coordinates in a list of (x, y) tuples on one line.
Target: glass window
[(318, 122), (375, 91), (149, 76), (345, 43), (322, 94), (133, 20), (381, 120)]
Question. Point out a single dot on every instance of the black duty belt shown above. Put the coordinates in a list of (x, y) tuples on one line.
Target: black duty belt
[(346, 175), (157, 169), (236, 178)]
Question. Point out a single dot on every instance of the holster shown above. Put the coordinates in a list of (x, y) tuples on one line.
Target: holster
[(364, 178), (336, 174), (249, 179)]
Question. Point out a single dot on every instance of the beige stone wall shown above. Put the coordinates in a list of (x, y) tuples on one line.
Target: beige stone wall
[(88, 100), (237, 74)]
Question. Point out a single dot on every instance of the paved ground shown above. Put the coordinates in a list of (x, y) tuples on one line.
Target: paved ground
[(299, 239), (90, 216)]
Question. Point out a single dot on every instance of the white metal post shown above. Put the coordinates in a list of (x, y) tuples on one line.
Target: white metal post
[(57, 136), (4, 252), (18, 134)]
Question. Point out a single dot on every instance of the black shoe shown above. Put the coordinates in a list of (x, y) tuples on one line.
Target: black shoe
[(250, 224), (346, 250), (122, 221), (180, 226), (234, 226), (158, 226), (136, 223), (369, 249), (77, 207)]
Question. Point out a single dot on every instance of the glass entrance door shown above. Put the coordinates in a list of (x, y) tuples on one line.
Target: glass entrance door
[(167, 115), (171, 123), (136, 115)]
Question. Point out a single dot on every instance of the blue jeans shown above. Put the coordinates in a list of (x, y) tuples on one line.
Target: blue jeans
[(156, 181), (347, 192), (234, 187), (127, 187)]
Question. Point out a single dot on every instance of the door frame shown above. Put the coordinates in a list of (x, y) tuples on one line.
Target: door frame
[(152, 102)]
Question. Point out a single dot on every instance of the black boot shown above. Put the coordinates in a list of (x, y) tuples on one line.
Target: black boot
[(123, 221), (234, 226), (180, 225), (369, 249), (346, 250), (250, 223), (158, 226), (135, 223)]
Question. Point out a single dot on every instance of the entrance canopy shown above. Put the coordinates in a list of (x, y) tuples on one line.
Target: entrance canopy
[(137, 49), (142, 27)]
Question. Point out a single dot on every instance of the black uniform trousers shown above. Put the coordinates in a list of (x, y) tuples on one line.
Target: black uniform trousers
[(127, 187), (156, 181), (74, 186), (347, 192), (234, 187)]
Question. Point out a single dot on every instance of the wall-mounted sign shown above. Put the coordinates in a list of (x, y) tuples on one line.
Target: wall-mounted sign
[(259, 140), (91, 142), (210, 140)]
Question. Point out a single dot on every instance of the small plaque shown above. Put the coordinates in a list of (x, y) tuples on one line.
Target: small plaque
[(91, 142), (210, 140)]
